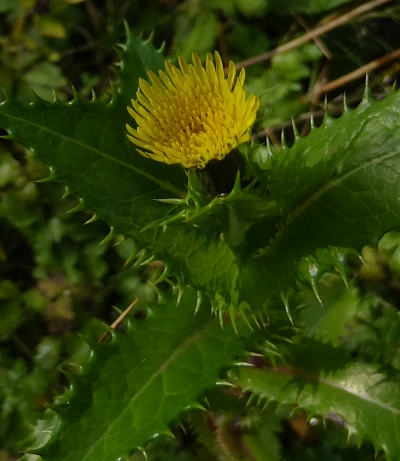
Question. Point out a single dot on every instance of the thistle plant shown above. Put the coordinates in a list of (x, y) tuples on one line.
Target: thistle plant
[(260, 275)]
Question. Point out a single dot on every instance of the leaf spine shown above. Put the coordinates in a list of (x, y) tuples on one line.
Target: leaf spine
[(161, 48), (67, 192), (367, 97), (197, 406), (114, 92), (91, 219), (8, 135), (295, 130), (141, 256), (147, 261), (312, 122), (149, 39), (268, 144), (3, 96), (345, 106), (232, 315), (327, 117), (199, 300), (131, 257), (127, 31), (221, 318), (143, 451), (180, 294), (171, 201), (246, 320), (255, 321), (50, 178), (286, 304), (243, 364), (237, 187), (225, 384), (251, 398), (109, 236), (162, 276), (283, 140), (79, 207), (75, 96), (118, 240)]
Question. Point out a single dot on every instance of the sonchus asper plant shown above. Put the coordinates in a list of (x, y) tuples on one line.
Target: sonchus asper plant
[(238, 259)]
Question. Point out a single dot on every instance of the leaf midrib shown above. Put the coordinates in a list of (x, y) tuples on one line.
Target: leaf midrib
[(164, 184), (157, 373), (313, 198), (309, 377), (302, 208)]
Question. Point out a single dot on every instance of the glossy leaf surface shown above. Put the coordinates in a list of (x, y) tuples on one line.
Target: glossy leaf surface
[(145, 378)]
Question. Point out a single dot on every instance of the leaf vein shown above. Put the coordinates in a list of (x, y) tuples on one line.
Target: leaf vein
[(157, 373), (164, 184)]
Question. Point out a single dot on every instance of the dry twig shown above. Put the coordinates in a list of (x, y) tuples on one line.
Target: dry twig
[(359, 73), (114, 325), (321, 45), (313, 34)]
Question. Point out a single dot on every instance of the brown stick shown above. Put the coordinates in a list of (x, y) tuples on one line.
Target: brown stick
[(321, 45), (321, 81), (272, 136), (318, 31), (359, 73), (304, 117), (114, 325)]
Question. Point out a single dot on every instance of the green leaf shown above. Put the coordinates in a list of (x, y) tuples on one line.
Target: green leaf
[(86, 146), (252, 7), (332, 317), (196, 32), (138, 57), (336, 187), (264, 444), (359, 393), (8, 5), (143, 380), (204, 263), (307, 6)]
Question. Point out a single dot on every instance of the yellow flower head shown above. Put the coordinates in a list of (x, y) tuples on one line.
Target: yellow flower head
[(193, 114)]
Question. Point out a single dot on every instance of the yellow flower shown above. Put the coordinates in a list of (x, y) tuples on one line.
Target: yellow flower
[(193, 114)]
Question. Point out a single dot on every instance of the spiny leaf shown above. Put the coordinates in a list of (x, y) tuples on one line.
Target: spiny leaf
[(139, 56), (209, 264), (332, 317), (86, 147), (337, 187), (358, 392), (141, 381)]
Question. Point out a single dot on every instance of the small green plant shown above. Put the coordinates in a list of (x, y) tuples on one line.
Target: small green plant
[(260, 298)]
